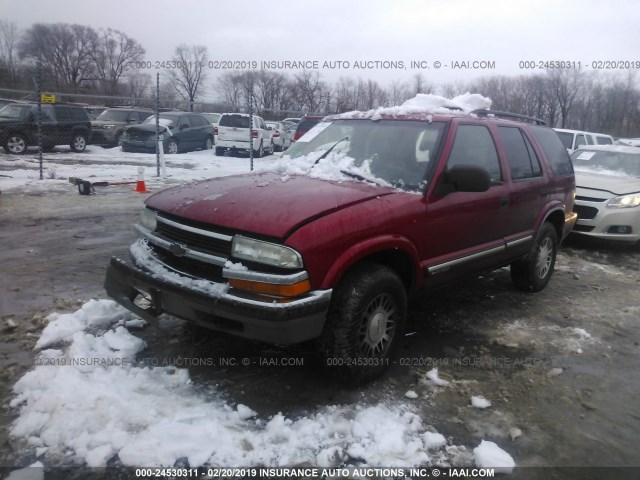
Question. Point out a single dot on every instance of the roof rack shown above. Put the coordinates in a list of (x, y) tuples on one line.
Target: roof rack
[(509, 116)]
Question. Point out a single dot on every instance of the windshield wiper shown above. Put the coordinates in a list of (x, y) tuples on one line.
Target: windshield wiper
[(324, 155)]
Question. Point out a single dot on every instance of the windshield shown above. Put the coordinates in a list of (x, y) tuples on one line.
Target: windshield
[(17, 112), (387, 152), (165, 120), (608, 163)]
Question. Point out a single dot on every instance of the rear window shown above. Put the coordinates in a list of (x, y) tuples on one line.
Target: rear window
[(554, 149), (237, 121)]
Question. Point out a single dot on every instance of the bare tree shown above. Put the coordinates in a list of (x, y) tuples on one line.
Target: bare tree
[(190, 71), (565, 84), (138, 84), (8, 53), (114, 54), (64, 52), (310, 91)]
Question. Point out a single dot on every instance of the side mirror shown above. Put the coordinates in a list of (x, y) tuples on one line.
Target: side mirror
[(464, 178)]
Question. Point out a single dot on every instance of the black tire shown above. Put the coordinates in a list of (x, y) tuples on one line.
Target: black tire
[(118, 141), (365, 323), (219, 151), (173, 147), (260, 152), (78, 142), (533, 273), (16, 144)]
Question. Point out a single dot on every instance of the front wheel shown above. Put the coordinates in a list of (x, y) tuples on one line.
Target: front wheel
[(365, 323), (78, 143), (534, 272), (16, 144)]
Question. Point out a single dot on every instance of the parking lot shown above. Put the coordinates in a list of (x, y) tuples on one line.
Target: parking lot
[(559, 368)]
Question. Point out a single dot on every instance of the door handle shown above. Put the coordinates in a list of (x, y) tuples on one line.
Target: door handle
[(504, 201)]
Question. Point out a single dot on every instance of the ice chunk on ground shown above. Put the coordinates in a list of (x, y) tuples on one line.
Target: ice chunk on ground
[(490, 455), (245, 412), (411, 394), (479, 401), (435, 379), (433, 440)]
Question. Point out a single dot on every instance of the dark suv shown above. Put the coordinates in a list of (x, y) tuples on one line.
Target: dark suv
[(61, 124), (108, 127), (390, 204)]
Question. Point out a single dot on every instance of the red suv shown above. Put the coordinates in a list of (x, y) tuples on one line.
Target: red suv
[(391, 204)]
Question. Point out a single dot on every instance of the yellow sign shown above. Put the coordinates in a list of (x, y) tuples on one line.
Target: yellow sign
[(45, 98)]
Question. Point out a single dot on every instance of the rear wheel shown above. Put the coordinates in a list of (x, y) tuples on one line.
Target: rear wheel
[(208, 143), (260, 152), (534, 272), (79, 142), (172, 147), (16, 144), (365, 323)]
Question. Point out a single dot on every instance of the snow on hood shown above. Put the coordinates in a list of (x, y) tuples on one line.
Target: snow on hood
[(426, 103), (89, 401)]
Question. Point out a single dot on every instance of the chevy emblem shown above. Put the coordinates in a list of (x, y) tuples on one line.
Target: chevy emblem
[(177, 249)]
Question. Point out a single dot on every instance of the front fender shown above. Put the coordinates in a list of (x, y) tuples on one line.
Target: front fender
[(366, 248)]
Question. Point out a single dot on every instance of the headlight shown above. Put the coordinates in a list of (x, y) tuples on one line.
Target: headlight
[(265, 252), (625, 201), (148, 219)]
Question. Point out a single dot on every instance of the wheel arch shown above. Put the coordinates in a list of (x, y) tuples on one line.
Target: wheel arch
[(399, 254)]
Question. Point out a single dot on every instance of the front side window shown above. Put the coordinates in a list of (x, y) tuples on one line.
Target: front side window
[(474, 145)]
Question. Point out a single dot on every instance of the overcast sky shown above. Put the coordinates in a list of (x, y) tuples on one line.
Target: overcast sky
[(399, 31)]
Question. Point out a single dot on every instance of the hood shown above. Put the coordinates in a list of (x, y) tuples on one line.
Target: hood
[(616, 185), (267, 204)]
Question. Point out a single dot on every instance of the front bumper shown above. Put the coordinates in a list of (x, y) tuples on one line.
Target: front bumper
[(598, 221), (218, 308)]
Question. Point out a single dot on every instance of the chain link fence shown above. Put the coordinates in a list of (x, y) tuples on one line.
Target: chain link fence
[(109, 156)]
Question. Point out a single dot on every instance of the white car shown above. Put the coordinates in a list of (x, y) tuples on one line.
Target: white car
[(608, 192), (574, 139), (281, 137), (214, 118), (233, 135)]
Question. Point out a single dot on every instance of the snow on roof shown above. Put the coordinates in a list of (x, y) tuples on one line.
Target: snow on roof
[(425, 104)]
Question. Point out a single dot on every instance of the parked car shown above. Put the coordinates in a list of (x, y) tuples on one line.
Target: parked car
[(281, 137), (292, 120), (61, 124), (93, 112), (179, 132), (416, 201), (214, 118), (305, 125), (233, 135), (630, 142), (5, 101), (108, 128), (574, 139), (608, 192)]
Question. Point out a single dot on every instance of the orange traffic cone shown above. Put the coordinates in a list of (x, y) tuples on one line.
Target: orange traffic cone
[(140, 185)]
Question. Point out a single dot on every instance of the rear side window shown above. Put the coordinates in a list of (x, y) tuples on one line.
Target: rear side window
[(70, 114), (523, 161), (237, 121), (554, 150), (474, 145), (604, 141)]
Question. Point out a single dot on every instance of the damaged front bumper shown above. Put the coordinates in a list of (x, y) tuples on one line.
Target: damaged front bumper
[(213, 305)]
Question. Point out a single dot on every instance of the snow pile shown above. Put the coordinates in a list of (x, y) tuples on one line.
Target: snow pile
[(92, 403), (433, 377), (490, 455), (426, 104)]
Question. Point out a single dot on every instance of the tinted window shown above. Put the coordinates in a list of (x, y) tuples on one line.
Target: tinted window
[(142, 116), (604, 141), (554, 150), (73, 114), (519, 154), (306, 123), (567, 139), (589, 139), (15, 112), (473, 145), (237, 121), (580, 140)]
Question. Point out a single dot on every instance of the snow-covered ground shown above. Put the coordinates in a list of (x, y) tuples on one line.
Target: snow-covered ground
[(88, 401)]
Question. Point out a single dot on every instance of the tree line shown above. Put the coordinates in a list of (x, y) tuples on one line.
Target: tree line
[(78, 59)]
